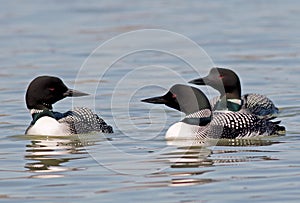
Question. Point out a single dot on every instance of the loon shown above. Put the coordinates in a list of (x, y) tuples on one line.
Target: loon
[(44, 91), (201, 122), (228, 84)]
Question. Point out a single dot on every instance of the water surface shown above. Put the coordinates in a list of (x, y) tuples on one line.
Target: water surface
[(259, 39)]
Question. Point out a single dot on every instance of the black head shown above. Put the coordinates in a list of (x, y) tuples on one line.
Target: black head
[(44, 91), (224, 80), (183, 98)]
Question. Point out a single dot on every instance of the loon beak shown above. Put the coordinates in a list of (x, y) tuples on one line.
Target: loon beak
[(155, 100), (199, 81), (74, 93)]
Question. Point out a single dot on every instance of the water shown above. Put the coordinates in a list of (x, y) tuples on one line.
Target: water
[(259, 39)]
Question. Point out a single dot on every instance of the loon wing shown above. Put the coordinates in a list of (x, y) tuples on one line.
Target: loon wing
[(259, 105), (82, 120)]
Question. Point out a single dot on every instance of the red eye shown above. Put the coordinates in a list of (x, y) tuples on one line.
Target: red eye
[(174, 96), (51, 89), (221, 76)]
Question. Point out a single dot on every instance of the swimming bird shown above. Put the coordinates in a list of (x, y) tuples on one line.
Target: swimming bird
[(228, 84), (200, 122), (42, 93)]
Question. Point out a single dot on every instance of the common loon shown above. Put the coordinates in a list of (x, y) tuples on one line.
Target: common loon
[(201, 123), (228, 84), (44, 91)]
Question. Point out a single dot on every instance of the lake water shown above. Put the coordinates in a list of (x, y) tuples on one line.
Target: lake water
[(102, 48)]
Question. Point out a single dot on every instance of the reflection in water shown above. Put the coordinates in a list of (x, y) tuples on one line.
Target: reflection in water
[(49, 154), (191, 153), (189, 157), (195, 158)]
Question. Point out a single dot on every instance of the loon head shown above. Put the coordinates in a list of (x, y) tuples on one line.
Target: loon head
[(224, 80), (183, 98), (44, 91)]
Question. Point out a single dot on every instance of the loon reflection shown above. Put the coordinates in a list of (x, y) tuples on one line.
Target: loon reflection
[(50, 154)]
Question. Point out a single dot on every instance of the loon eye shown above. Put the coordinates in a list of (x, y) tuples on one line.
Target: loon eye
[(221, 76), (174, 96), (51, 89)]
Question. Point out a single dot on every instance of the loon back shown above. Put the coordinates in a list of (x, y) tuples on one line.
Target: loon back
[(232, 125), (229, 125), (259, 105), (256, 104), (82, 120)]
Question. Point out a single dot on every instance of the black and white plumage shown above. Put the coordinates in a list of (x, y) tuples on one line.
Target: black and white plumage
[(228, 84), (82, 120), (259, 105), (201, 123), (232, 125), (42, 93)]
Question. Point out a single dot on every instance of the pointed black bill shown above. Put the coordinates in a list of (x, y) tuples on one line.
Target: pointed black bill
[(74, 93), (199, 81), (155, 100)]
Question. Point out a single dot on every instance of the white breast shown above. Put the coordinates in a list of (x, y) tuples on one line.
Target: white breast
[(48, 126), (182, 130)]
